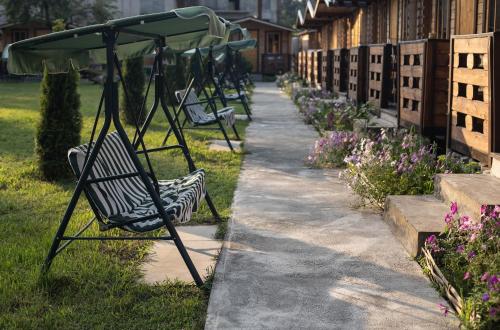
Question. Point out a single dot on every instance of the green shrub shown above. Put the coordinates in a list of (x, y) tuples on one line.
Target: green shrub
[(60, 123), (175, 76), (134, 79)]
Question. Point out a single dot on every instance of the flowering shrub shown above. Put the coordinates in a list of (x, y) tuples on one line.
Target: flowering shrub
[(397, 164), (326, 113), (285, 81), (468, 255), (330, 151)]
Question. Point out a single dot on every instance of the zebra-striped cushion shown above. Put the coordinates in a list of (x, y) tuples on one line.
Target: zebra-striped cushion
[(125, 199), (198, 115)]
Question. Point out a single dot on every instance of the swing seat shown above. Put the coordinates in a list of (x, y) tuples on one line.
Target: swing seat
[(197, 114), (234, 96), (124, 202)]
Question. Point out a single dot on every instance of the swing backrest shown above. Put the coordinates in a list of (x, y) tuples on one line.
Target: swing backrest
[(111, 197), (194, 110)]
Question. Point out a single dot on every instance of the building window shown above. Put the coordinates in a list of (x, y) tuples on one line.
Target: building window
[(19, 35), (273, 42)]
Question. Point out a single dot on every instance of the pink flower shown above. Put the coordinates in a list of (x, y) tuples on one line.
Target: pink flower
[(444, 309), (448, 218), (454, 208), (485, 277), (466, 275), (461, 248)]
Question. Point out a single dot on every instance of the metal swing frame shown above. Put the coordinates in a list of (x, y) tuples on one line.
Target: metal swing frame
[(111, 115), (198, 83), (234, 77)]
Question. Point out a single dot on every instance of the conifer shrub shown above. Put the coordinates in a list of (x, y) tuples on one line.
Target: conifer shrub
[(134, 80), (60, 123)]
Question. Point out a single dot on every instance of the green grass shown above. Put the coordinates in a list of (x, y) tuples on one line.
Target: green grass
[(91, 284)]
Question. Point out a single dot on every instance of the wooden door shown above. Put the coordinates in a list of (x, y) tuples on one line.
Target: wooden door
[(252, 55)]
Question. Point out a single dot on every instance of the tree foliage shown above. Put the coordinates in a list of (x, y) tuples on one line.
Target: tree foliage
[(134, 79), (60, 124), (71, 11), (288, 12)]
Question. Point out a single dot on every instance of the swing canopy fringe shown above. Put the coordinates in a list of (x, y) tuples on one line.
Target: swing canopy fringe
[(180, 30)]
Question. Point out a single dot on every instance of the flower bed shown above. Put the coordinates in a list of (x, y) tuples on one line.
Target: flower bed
[(326, 113), (464, 262), (330, 151), (400, 163)]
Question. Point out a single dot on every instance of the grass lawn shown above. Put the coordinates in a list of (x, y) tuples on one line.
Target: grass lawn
[(91, 284)]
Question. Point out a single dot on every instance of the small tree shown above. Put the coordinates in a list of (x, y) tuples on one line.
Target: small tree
[(60, 123), (134, 79)]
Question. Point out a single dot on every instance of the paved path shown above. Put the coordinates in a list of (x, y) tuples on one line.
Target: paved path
[(298, 256)]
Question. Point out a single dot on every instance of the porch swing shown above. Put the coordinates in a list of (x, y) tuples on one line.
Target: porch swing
[(219, 54), (121, 193), (202, 77), (194, 108)]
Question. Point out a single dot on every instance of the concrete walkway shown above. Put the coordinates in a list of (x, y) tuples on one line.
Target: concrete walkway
[(298, 256)]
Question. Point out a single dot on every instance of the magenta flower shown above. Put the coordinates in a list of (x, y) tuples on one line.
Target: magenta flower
[(471, 255), (454, 208), (448, 218), (466, 275), (485, 277), (444, 309), (461, 248), (486, 296)]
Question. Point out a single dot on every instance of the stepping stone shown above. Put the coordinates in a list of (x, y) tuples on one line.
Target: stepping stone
[(221, 145), (241, 117), (165, 262)]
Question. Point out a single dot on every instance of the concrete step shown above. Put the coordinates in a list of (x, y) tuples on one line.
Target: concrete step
[(414, 218), (470, 191), (495, 165)]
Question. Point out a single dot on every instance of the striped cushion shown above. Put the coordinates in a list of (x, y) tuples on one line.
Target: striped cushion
[(124, 199), (198, 115), (234, 96)]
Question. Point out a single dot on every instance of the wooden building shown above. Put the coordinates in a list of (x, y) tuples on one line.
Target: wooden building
[(429, 62), (273, 52)]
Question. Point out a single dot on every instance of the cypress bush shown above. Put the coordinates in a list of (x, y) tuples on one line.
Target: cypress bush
[(134, 80), (175, 75), (60, 124)]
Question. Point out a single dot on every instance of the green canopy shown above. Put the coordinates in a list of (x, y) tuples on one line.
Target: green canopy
[(220, 50), (181, 29)]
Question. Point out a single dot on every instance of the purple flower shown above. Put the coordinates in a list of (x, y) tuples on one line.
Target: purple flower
[(466, 275), (461, 248), (444, 309), (454, 208), (471, 255), (486, 296), (492, 282), (493, 311)]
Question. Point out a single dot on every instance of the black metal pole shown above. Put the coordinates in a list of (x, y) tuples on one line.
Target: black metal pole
[(142, 173), (86, 170)]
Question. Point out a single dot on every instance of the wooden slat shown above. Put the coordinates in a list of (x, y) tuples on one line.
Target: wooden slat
[(468, 76), (467, 45), (475, 108)]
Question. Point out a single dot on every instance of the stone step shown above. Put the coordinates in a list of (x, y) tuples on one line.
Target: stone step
[(470, 191), (414, 218)]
